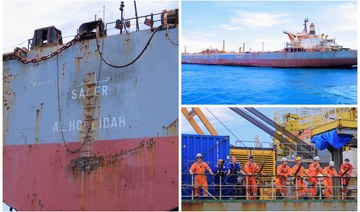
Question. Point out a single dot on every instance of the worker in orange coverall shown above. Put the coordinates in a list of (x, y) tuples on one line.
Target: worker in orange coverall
[(251, 168), (299, 171), (199, 169), (314, 170), (283, 172), (345, 171), (329, 173)]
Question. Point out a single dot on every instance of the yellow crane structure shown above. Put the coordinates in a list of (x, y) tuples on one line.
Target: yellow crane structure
[(196, 112), (309, 122), (317, 121), (311, 118)]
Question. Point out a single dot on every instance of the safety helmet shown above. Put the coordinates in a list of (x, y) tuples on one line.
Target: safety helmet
[(347, 159), (298, 159), (332, 163), (317, 158), (283, 159), (198, 155), (251, 157)]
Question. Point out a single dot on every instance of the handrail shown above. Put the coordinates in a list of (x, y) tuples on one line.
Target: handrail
[(268, 188)]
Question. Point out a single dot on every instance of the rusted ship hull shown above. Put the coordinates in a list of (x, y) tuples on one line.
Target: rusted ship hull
[(122, 173), (277, 59), (82, 135)]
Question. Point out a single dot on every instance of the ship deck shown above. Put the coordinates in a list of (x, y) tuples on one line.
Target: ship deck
[(270, 205)]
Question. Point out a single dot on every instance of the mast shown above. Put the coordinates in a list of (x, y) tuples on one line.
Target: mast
[(305, 27)]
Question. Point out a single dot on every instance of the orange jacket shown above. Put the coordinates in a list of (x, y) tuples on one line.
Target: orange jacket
[(199, 168), (301, 171), (283, 171), (314, 170), (330, 172), (344, 167), (251, 168)]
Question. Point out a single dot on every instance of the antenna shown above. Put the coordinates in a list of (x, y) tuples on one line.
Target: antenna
[(104, 12), (136, 16), (122, 5)]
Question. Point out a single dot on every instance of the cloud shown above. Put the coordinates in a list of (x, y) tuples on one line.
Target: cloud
[(229, 27), (346, 17), (190, 22), (254, 20)]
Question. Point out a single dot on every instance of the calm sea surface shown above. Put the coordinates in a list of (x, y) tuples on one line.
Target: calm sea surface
[(206, 84)]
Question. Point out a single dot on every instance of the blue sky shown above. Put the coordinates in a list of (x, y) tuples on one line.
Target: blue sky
[(243, 129), (206, 24)]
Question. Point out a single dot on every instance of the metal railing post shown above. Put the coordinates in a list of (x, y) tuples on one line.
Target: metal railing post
[(342, 188), (246, 188), (152, 20), (220, 187), (320, 187), (192, 187), (296, 188), (272, 188)]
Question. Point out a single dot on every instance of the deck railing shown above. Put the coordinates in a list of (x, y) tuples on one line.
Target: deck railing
[(267, 188)]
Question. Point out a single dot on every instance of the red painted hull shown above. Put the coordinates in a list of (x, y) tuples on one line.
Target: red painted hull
[(133, 174), (277, 59)]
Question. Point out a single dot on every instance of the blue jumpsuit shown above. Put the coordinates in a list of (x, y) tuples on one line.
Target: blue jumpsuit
[(232, 179), (219, 171)]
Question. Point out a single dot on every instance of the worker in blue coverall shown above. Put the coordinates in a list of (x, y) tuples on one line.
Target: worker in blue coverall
[(233, 170), (220, 171)]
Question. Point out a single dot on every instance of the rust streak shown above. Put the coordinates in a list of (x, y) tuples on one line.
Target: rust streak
[(86, 130), (78, 61), (37, 120), (8, 100)]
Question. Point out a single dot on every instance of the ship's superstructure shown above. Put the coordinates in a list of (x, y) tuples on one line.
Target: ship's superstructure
[(310, 41)]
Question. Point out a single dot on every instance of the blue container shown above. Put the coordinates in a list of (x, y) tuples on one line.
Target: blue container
[(211, 147)]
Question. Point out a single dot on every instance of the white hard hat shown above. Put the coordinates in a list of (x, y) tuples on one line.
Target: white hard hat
[(283, 159), (316, 158), (332, 163), (198, 155)]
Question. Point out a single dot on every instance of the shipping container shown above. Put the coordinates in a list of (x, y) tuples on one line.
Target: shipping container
[(211, 147)]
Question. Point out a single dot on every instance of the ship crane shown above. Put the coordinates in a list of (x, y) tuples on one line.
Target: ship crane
[(270, 127)]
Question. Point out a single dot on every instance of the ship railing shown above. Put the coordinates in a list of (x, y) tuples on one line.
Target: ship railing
[(268, 188), (145, 21)]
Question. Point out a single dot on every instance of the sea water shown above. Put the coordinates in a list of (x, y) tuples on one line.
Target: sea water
[(209, 84)]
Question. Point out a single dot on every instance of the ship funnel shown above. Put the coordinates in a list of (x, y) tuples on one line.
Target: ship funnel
[(312, 29)]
